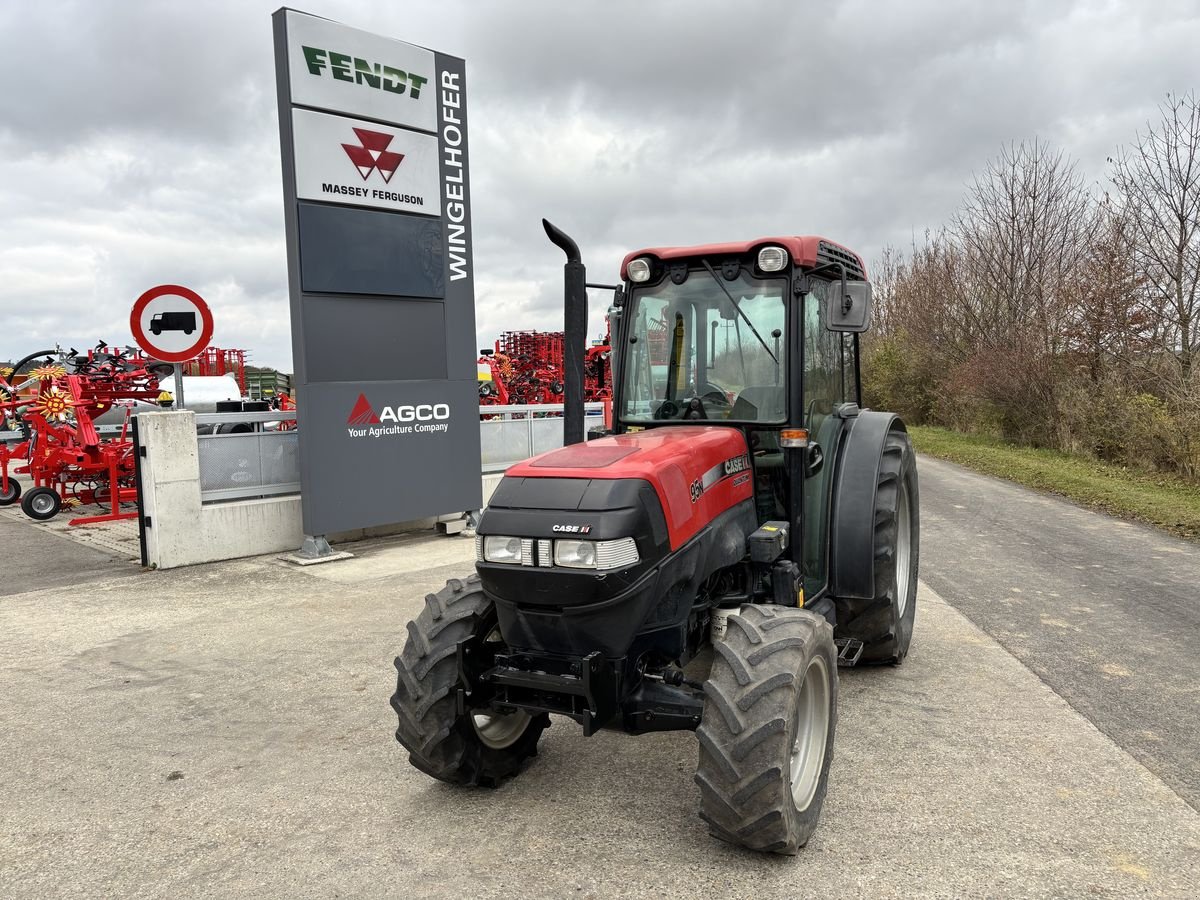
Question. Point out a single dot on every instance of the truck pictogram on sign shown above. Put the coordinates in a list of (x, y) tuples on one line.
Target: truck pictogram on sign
[(173, 321)]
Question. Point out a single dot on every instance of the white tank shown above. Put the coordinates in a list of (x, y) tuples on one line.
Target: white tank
[(200, 394)]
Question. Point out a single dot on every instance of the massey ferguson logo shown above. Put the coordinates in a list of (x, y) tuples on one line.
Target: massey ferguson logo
[(373, 154), (423, 418)]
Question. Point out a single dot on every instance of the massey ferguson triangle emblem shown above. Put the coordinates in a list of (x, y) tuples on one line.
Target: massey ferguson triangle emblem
[(362, 414), (373, 154)]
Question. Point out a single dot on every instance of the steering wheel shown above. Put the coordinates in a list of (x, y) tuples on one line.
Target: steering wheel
[(714, 396)]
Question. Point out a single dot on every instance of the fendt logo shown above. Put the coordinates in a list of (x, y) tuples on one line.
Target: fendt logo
[(352, 69), (373, 154), (423, 418)]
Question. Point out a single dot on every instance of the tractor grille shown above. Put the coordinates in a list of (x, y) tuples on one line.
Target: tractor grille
[(827, 252), (618, 554)]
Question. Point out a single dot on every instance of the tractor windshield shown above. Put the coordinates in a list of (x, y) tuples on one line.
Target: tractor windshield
[(709, 348)]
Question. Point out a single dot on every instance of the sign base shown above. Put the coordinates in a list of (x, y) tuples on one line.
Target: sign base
[(314, 550)]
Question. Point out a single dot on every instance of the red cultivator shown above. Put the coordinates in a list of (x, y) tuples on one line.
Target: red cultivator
[(527, 367), (61, 449)]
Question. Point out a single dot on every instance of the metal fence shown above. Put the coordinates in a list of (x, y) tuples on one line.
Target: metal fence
[(245, 455), (509, 434)]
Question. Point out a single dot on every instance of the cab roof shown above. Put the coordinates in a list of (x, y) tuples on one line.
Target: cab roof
[(804, 250)]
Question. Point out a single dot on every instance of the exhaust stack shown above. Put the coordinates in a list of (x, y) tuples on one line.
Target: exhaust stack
[(574, 333)]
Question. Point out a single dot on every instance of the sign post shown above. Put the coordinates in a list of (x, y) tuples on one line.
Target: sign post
[(373, 134), (174, 324)]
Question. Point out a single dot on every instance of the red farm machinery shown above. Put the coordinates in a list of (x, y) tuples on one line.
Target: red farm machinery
[(51, 401), (526, 367)]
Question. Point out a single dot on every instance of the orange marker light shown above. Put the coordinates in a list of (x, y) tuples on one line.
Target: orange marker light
[(793, 437)]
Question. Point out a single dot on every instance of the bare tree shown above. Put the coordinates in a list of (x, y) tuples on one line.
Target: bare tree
[(1159, 181), (1024, 230), (1108, 328)]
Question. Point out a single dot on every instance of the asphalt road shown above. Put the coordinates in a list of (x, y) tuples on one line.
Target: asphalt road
[(33, 556), (1106, 612)]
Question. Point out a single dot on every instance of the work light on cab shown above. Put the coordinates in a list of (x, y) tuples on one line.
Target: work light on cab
[(770, 259), (639, 270)]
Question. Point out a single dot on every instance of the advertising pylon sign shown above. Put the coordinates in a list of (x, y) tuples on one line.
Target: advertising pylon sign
[(377, 212)]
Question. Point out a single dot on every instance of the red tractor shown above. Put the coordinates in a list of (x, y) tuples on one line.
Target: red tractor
[(745, 528)]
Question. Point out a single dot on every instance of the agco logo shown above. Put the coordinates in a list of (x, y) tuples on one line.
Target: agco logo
[(422, 418)]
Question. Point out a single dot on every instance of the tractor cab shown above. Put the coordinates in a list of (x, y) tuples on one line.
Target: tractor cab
[(761, 336)]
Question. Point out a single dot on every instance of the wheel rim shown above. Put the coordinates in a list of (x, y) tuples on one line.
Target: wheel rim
[(498, 730), (903, 549), (42, 504), (812, 730)]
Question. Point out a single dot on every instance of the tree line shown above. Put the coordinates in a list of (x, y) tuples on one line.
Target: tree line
[(1055, 314)]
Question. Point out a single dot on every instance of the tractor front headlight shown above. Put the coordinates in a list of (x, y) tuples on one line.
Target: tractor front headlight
[(500, 549), (619, 554), (575, 554)]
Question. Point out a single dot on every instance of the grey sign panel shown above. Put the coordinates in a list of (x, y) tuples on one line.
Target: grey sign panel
[(366, 251), (390, 445), (390, 340), (382, 301)]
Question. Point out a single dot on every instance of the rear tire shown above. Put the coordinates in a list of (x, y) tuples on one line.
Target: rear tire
[(41, 503), (12, 495), (479, 747), (766, 736), (884, 623)]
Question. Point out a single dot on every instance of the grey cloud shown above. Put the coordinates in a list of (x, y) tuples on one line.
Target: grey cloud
[(141, 146)]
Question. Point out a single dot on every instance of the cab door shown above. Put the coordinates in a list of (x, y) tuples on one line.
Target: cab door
[(824, 388)]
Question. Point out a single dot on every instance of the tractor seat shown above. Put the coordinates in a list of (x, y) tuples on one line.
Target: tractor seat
[(761, 403)]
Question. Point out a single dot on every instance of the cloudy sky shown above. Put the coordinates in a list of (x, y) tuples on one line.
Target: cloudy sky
[(139, 142)]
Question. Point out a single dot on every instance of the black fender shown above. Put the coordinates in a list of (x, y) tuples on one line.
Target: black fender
[(852, 525)]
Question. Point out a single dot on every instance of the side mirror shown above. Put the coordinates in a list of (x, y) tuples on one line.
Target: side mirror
[(849, 306)]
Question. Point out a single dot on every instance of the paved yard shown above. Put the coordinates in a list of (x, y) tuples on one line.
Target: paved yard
[(224, 730)]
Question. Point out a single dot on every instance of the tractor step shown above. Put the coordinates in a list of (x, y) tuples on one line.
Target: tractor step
[(850, 651)]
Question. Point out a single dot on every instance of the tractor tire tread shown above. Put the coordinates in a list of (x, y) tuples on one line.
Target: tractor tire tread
[(745, 797), (440, 742)]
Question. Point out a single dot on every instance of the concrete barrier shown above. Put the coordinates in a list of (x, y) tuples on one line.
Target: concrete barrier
[(183, 531)]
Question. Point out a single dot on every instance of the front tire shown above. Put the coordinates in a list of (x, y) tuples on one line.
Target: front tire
[(41, 503), (481, 746), (766, 736), (885, 622)]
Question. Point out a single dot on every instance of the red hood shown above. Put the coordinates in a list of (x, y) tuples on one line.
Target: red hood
[(698, 471)]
